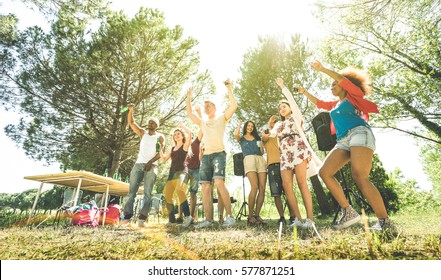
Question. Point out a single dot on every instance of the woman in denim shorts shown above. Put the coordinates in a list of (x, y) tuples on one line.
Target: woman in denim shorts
[(355, 142), (255, 169)]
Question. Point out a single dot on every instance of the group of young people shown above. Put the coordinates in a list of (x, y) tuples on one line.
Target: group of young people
[(290, 157)]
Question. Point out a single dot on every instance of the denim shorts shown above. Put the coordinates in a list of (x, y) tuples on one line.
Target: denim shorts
[(359, 136), (275, 179), (212, 167), (192, 180)]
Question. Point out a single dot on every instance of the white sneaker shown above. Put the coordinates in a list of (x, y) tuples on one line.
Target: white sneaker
[(308, 224), (186, 222), (204, 224), (141, 223), (295, 223), (229, 221)]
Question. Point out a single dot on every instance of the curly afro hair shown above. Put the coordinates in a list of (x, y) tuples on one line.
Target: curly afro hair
[(358, 77)]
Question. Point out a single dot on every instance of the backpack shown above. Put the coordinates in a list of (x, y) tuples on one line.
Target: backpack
[(113, 213), (86, 214), (321, 123)]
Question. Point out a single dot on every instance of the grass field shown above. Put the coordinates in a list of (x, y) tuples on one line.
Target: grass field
[(419, 239)]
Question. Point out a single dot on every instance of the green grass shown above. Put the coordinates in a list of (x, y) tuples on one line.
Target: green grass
[(419, 239)]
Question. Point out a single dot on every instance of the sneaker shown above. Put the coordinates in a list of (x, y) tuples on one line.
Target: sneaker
[(308, 224), (179, 220), (348, 217), (385, 225), (294, 222), (229, 221), (204, 224), (141, 223), (281, 220), (186, 221)]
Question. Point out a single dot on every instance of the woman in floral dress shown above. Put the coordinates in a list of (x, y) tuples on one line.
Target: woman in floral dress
[(297, 159)]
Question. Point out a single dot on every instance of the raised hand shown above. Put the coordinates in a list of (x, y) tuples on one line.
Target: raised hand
[(228, 85), (317, 65), (197, 109), (299, 90), (189, 91), (279, 82)]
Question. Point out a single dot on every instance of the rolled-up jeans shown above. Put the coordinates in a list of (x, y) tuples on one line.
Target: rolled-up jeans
[(136, 176)]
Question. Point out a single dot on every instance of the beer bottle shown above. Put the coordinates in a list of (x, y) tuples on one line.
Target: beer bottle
[(158, 145)]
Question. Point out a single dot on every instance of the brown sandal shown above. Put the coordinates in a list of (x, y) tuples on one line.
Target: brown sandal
[(252, 221), (260, 220)]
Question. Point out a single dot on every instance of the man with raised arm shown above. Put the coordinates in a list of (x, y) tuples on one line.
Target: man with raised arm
[(145, 168), (213, 161)]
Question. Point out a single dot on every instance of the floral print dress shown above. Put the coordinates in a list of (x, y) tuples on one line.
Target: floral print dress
[(293, 149)]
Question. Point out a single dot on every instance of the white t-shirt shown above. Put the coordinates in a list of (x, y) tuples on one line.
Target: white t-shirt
[(147, 148), (214, 131)]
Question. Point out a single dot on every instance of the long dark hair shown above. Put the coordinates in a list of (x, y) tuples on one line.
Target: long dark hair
[(253, 133)]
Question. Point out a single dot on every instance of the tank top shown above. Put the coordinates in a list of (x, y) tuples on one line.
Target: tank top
[(178, 159), (147, 148)]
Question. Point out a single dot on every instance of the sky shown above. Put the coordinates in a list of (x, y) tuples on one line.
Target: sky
[(225, 31)]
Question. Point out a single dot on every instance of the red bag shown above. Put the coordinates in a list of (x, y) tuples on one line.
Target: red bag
[(86, 214), (113, 213)]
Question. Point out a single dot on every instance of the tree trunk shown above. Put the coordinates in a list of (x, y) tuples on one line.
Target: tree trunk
[(325, 207)]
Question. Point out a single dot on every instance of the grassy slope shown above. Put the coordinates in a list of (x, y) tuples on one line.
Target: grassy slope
[(419, 238)]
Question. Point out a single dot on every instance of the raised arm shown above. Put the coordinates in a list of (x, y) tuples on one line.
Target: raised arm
[(317, 65), (233, 103), (310, 97), (188, 138), (200, 134), (271, 122), (135, 127), (190, 113), (237, 131), (292, 103), (164, 157)]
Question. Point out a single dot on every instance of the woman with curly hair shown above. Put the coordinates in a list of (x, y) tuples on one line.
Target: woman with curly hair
[(254, 168), (355, 142)]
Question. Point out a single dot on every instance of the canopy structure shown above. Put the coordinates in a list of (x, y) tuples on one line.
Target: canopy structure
[(82, 180)]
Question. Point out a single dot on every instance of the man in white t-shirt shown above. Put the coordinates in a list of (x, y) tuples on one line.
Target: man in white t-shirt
[(145, 168), (213, 161)]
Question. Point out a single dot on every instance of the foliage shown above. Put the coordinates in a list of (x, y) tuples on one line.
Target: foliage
[(270, 59), (72, 83), (398, 42), (431, 159), (410, 197)]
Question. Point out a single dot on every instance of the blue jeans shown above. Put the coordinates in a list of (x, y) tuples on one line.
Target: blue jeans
[(275, 179), (192, 180), (136, 176)]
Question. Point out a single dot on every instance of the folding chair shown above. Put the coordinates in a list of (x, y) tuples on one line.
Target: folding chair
[(156, 208)]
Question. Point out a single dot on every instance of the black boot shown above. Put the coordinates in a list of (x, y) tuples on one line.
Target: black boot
[(171, 213)]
